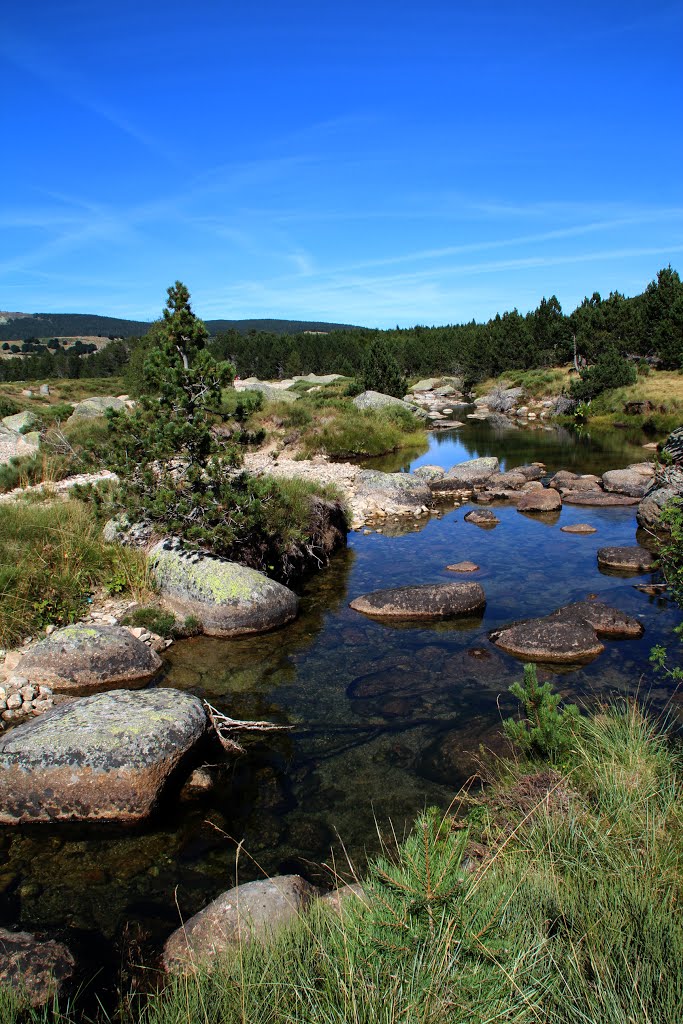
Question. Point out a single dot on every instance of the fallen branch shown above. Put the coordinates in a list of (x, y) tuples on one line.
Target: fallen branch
[(224, 726)]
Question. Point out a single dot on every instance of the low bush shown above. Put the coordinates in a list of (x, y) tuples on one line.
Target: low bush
[(610, 370)]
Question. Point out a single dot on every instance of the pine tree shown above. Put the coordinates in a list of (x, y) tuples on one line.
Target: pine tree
[(380, 370), (546, 729)]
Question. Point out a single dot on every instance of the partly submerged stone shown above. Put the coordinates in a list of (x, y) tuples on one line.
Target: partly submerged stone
[(578, 528), (605, 620), (100, 758), (91, 408), (82, 659), (251, 912), (540, 501), (597, 498), (228, 599), (550, 640), (463, 567), (649, 511), (633, 481), (632, 560), (428, 601), (391, 492), (482, 517), (36, 971), (473, 471)]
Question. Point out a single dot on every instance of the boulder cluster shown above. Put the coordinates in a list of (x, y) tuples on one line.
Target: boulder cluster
[(439, 400)]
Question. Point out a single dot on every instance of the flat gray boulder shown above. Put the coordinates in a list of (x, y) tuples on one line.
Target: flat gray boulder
[(35, 971), (633, 481), (580, 528), (271, 392), (429, 472), (606, 621), (377, 400), (228, 599), (429, 601), (392, 492), (632, 560), (539, 501), (596, 498), (91, 408), (82, 659), (100, 758), (474, 471), (550, 640), (252, 912)]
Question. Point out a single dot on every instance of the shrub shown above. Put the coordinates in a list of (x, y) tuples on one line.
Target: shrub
[(546, 730), (380, 370), (610, 370)]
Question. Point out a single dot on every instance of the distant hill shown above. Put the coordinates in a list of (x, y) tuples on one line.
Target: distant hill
[(20, 326)]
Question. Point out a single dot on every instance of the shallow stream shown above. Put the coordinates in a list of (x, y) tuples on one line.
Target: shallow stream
[(385, 719)]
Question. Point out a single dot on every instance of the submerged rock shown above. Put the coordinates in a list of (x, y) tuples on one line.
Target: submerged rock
[(632, 560), (462, 567), (248, 913), (100, 758), (82, 659), (482, 517), (229, 599), (596, 498), (37, 971), (578, 528), (429, 601)]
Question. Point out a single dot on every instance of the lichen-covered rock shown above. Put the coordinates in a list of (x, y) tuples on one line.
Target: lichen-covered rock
[(429, 472), (473, 471), (605, 620), (550, 640), (633, 481), (429, 601), (100, 758), (540, 501), (20, 422), (36, 971), (248, 913), (377, 400), (391, 492), (91, 408), (649, 511), (228, 599), (83, 659), (14, 445), (631, 560)]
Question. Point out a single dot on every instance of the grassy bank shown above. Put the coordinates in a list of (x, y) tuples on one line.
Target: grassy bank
[(327, 423), (553, 896), (52, 558), (660, 392)]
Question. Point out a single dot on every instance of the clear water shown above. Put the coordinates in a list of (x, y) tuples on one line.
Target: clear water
[(385, 718)]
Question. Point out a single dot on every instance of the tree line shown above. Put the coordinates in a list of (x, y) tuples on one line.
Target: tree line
[(646, 326)]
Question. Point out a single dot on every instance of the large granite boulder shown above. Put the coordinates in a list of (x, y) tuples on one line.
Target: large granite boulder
[(633, 481), (14, 445), (92, 408), (83, 659), (100, 758), (428, 601), (391, 492), (20, 421), (35, 971), (565, 481), (473, 471), (251, 912), (228, 599), (429, 473), (606, 621), (625, 560), (377, 400), (540, 501), (649, 511)]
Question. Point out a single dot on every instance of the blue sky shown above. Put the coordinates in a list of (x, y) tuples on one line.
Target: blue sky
[(368, 162)]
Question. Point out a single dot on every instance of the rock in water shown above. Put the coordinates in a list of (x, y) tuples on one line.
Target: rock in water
[(100, 758), (87, 659), (597, 498), (482, 517), (606, 621), (631, 560), (578, 528), (550, 640), (649, 511), (540, 501), (463, 567), (248, 913), (229, 599), (36, 971), (634, 481), (430, 601), (474, 471)]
